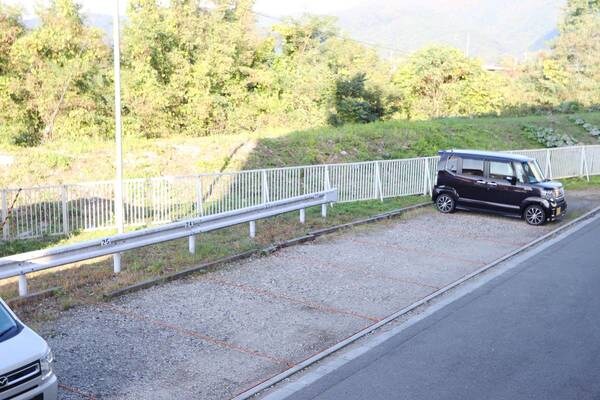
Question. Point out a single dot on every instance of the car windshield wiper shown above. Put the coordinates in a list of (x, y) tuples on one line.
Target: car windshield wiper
[(6, 330)]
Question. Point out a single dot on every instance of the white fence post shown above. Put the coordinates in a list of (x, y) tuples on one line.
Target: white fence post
[(265, 200), (378, 188), (302, 216), (327, 185), (65, 212), (426, 178), (6, 227), (265, 187), (156, 203), (199, 200), (548, 165), (22, 285), (584, 165)]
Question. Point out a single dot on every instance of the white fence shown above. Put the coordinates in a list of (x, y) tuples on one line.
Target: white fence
[(58, 210)]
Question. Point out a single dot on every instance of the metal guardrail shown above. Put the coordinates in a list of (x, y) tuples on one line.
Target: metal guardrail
[(24, 263), (61, 210)]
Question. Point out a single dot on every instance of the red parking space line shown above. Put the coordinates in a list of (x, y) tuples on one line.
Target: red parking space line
[(191, 333), (76, 391), (346, 268), (306, 303), (436, 253)]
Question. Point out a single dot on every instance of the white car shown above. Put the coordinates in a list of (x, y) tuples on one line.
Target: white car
[(25, 361)]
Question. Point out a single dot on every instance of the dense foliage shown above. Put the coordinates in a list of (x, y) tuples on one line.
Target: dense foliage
[(439, 81), (189, 69)]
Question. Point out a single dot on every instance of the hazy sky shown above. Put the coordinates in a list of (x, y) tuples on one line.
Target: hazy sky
[(272, 7)]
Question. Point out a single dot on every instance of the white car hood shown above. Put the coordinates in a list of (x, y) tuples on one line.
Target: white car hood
[(20, 350)]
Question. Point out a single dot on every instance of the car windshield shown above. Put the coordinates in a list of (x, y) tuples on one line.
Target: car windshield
[(533, 173), (7, 322)]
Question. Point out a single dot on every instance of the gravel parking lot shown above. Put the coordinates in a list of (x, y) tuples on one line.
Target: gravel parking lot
[(215, 335)]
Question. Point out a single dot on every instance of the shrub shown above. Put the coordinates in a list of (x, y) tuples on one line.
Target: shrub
[(547, 136)]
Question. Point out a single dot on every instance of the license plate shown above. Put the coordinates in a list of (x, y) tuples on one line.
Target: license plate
[(558, 210)]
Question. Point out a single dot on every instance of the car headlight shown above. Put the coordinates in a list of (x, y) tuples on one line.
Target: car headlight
[(548, 194), (46, 364)]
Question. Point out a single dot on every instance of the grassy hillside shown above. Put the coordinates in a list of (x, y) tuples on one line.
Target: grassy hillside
[(87, 159), (402, 139)]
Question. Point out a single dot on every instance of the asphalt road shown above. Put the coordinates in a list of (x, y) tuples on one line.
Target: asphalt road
[(530, 333)]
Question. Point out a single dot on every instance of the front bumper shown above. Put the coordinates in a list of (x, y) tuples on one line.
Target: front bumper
[(46, 390), (556, 209)]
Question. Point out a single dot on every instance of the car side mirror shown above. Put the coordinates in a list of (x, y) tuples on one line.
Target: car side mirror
[(512, 180)]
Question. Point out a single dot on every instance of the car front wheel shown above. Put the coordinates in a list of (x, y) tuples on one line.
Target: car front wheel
[(445, 203), (535, 215)]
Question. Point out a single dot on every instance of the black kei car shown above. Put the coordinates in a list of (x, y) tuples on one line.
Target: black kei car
[(498, 182)]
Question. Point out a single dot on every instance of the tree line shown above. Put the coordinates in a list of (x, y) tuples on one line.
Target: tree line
[(194, 70)]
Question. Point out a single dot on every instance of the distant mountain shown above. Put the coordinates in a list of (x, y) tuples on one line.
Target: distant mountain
[(488, 29), (542, 42)]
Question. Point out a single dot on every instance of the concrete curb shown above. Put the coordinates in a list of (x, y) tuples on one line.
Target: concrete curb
[(321, 355), (258, 252), (31, 297)]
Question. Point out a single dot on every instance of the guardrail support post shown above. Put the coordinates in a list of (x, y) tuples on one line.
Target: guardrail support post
[(117, 262), (22, 285), (6, 227), (192, 244), (252, 229), (302, 216), (65, 212)]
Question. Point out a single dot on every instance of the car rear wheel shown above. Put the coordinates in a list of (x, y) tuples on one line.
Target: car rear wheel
[(535, 215), (445, 203)]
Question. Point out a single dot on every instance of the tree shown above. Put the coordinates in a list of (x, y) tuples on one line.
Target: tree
[(11, 28), (440, 81), (189, 68), (576, 53), (354, 103), (59, 77), (363, 90), (303, 81)]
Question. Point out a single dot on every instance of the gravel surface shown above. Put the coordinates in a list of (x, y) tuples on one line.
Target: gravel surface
[(216, 334)]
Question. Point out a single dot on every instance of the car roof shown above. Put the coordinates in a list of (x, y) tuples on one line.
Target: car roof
[(490, 155)]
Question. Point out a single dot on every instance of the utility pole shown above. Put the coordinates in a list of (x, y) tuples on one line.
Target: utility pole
[(118, 139)]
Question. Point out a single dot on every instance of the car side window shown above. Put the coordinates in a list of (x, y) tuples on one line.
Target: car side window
[(472, 167), (452, 164), (501, 170), (519, 172)]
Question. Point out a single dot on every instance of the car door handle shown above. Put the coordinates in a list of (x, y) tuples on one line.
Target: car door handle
[(492, 184), (481, 182)]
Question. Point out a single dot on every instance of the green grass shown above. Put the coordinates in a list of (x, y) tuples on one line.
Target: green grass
[(581, 183), (404, 139), (10, 247), (71, 161)]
